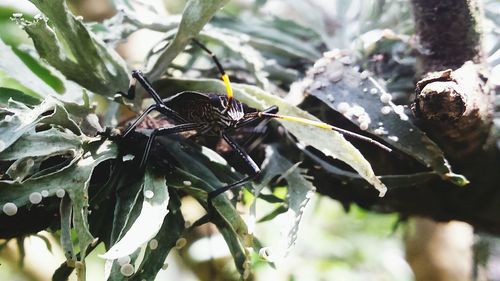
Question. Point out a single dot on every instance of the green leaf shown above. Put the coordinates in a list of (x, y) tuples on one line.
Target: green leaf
[(129, 200), (126, 209), (45, 143), (8, 93), (127, 20), (457, 179), (195, 15), (21, 119), (367, 104), (77, 53), (254, 61), (22, 168), (194, 170), (391, 181), (329, 142), (226, 218), (171, 230), (30, 58), (186, 156), (148, 223), (115, 273), (74, 180), (278, 211), (66, 242), (277, 36), (300, 190), (271, 198), (12, 66)]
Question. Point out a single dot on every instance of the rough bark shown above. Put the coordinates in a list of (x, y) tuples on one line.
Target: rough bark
[(453, 105), (449, 33)]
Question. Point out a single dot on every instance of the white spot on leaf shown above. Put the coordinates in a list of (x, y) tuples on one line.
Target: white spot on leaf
[(385, 98), (123, 260), (393, 138), (149, 194), (180, 243), (35, 197), (343, 107), (10, 209), (60, 193), (386, 110), (127, 270), (153, 244)]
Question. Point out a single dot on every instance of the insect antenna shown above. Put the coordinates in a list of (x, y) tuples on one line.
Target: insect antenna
[(223, 75), (324, 126)]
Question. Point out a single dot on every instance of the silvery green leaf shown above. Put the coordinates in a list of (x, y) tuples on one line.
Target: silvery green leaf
[(73, 180), (159, 247), (300, 189), (85, 60), (13, 67), (19, 120), (360, 98), (44, 143), (148, 223), (196, 14)]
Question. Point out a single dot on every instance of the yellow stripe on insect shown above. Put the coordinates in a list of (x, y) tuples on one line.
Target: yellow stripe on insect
[(301, 120), (323, 125), (227, 83)]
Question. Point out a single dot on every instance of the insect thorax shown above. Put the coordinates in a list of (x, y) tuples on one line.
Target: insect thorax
[(206, 108)]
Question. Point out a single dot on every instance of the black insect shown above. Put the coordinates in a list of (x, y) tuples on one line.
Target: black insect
[(212, 114)]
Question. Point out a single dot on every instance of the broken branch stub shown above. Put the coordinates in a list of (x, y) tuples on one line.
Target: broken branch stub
[(456, 107)]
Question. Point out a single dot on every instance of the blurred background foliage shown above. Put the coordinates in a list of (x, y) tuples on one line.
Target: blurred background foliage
[(270, 44)]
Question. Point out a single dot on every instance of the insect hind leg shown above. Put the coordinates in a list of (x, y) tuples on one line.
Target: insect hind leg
[(255, 170), (138, 76)]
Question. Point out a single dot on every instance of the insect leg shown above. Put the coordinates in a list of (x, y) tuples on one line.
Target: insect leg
[(139, 119), (161, 107), (222, 72), (130, 94), (138, 76), (248, 161), (163, 132)]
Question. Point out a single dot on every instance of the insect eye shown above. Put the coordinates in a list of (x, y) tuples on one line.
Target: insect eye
[(218, 102)]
